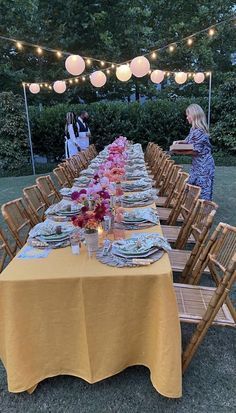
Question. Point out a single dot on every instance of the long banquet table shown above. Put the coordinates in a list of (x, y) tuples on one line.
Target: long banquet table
[(72, 315)]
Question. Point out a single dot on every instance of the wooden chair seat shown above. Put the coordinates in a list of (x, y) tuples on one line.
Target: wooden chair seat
[(161, 201), (172, 232), (192, 302), (164, 214), (179, 258)]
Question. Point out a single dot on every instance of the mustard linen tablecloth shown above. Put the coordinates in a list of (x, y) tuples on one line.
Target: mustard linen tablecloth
[(69, 314)]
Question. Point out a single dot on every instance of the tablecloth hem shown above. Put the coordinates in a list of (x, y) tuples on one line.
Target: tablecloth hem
[(33, 387)]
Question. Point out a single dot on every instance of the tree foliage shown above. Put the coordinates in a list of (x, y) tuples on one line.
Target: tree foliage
[(14, 152)]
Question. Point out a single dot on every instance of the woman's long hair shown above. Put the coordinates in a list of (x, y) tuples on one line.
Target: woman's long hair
[(198, 117), (71, 120)]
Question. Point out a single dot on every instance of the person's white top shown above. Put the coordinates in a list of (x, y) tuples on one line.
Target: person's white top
[(83, 139), (71, 144)]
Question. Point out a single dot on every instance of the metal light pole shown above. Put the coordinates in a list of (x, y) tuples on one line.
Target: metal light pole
[(209, 101), (29, 130)]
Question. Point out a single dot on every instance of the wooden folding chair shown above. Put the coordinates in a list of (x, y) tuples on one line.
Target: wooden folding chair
[(206, 306), (18, 220), (166, 190), (67, 172), (175, 189), (61, 177), (183, 206), (7, 252), (36, 202), (183, 261), (48, 190)]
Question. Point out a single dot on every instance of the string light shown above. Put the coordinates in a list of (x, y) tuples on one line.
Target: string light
[(208, 73), (76, 80), (19, 45), (45, 84), (50, 87), (108, 71), (112, 66), (211, 32), (83, 78), (190, 41), (171, 48), (59, 54), (102, 63), (88, 61), (153, 55), (70, 81), (189, 74), (41, 85), (39, 50)]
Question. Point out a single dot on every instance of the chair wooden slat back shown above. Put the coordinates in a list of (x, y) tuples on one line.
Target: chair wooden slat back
[(18, 220), (83, 160), (67, 172), (176, 186), (166, 174), (163, 171), (215, 302), (48, 190), (186, 205), (70, 169), (36, 202), (221, 246), (7, 252), (76, 159), (61, 177), (159, 167), (205, 212)]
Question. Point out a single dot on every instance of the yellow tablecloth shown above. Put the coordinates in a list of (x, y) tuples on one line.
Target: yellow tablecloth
[(69, 314)]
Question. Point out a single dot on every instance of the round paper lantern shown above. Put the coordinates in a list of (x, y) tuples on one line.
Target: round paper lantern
[(157, 76), (59, 86), (199, 77), (34, 88), (181, 77), (98, 78), (123, 73), (140, 66), (75, 65)]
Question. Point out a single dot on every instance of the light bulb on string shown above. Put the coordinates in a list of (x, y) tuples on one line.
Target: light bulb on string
[(45, 84), (102, 63), (50, 87), (76, 80), (59, 54), (83, 78), (208, 73), (153, 55), (189, 41), (112, 66), (171, 48), (189, 75), (108, 71), (70, 81), (19, 45), (211, 32), (88, 61), (39, 50)]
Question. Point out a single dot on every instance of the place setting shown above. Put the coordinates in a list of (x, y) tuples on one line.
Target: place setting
[(63, 210), (138, 185), (138, 199), (138, 250), (138, 219), (50, 234)]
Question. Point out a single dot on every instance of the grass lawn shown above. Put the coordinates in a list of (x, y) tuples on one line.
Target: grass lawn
[(208, 385)]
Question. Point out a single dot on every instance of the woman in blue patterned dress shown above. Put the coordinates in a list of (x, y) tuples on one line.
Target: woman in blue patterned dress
[(203, 166)]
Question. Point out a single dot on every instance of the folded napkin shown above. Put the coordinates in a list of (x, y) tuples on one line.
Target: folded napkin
[(48, 227), (61, 206), (147, 214)]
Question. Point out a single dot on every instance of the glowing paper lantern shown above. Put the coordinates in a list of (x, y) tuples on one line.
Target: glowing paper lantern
[(199, 77), (34, 88), (75, 64), (98, 78), (59, 86), (140, 66), (157, 76), (123, 73), (181, 77)]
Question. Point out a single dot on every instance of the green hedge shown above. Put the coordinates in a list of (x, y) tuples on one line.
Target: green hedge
[(161, 121)]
